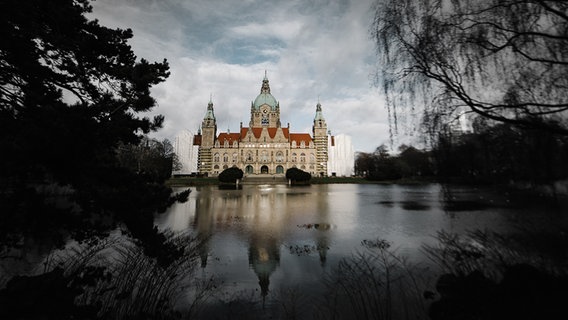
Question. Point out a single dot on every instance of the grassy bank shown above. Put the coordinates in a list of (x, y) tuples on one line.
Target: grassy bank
[(191, 181), (203, 181)]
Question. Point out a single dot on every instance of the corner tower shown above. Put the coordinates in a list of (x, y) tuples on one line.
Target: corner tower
[(320, 141), (209, 132)]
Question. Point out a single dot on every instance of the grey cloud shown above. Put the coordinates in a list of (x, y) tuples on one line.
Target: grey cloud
[(310, 48)]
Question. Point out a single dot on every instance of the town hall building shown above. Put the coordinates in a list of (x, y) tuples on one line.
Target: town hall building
[(264, 147)]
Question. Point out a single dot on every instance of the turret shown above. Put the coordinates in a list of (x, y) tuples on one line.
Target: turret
[(320, 141), (209, 126), (209, 132)]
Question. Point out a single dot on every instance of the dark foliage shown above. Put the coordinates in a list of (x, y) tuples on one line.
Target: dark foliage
[(524, 293), (70, 90), (231, 175), (151, 158), (48, 296), (502, 153), (505, 61), (380, 165), (298, 175)]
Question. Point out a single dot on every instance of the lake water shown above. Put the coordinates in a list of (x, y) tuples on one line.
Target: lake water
[(265, 238)]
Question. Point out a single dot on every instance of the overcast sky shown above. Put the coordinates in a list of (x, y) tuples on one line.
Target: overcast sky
[(309, 48)]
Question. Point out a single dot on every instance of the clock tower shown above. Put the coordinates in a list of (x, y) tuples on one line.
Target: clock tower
[(265, 110)]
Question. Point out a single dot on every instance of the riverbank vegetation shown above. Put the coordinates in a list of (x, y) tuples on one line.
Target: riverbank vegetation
[(497, 154)]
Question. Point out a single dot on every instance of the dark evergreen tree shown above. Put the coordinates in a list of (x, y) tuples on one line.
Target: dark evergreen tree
[(70, 92)]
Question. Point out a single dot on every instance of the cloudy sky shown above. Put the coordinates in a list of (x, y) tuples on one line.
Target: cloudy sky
[(310, 49)]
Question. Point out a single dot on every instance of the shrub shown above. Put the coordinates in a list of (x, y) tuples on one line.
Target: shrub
[(231, 175), (298, 175)]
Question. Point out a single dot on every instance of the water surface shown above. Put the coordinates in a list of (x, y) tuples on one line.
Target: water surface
[(269, 237)]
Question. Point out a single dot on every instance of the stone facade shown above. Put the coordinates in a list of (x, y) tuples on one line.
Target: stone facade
[(264, 147)]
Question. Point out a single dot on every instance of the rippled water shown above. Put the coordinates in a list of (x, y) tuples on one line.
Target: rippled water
[(269, 237)]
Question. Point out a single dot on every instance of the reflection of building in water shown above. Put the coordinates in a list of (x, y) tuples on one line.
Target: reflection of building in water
[(263, 217), (322, 236), (265, 146), (204, 223), (264, 258), (322, 241)]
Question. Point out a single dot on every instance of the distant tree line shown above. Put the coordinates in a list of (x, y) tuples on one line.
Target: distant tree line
[(381, 165), (498, 153), (502, 153)]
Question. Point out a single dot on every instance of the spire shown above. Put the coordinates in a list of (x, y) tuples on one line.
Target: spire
[(265, 86), (210, 114), (319, 113)]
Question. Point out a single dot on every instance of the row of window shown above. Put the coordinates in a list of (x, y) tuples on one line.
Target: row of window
[(235, 144), (264, 157)]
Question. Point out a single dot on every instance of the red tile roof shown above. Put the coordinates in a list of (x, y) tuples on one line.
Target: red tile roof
[(299, 137), (271, 132), (230, 137)]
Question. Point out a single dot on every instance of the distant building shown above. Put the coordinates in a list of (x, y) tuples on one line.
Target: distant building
[(265, 147), (187, 151), (341, 156)]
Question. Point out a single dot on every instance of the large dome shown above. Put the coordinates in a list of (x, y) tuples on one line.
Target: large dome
[(265, 98)]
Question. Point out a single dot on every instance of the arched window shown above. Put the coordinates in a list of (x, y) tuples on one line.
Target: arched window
[(279, 169), (264, 156), (302, 157), (216, 157), (294, 157), (216, 167), (302, 144), (225, 167), (294, 144), (235, 157), (249, 169), (264, 169), (279, 156), (249, 156), (235, 144), (225, 158)]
